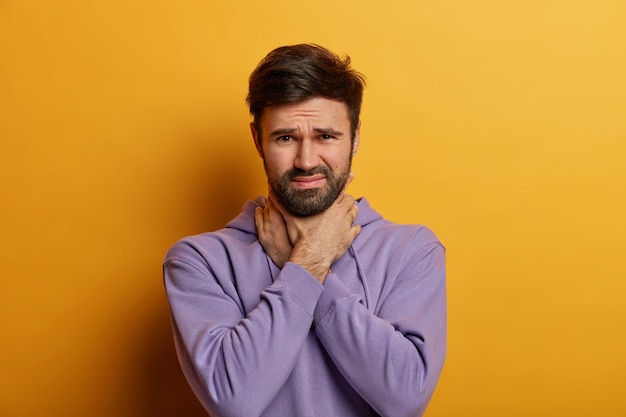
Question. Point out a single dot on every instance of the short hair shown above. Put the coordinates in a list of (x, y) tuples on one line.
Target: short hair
[(292, 74)]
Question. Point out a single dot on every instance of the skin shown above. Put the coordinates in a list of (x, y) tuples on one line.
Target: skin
[(304, 136)]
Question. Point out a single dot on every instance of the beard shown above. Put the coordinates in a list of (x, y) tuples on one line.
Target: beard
[(310, 201)]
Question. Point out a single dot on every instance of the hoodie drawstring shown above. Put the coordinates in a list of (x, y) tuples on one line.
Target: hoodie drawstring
[(362, 277)]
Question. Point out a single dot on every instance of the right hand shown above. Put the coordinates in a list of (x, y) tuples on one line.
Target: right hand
[(272, 233), (321, 239)]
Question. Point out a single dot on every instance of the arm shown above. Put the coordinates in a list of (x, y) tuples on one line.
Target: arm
[(392, 359), (236, 363)]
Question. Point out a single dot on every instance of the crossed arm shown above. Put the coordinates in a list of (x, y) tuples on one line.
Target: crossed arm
[(393, 367), (391, 358)]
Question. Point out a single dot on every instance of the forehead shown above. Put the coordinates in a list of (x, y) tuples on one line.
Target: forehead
[(316, 110)]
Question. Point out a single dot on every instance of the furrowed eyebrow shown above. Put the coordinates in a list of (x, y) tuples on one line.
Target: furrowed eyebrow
[(328, 131), (323, 130), (282, 131)]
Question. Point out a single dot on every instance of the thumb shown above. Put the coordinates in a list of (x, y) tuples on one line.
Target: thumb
[(350, 178)]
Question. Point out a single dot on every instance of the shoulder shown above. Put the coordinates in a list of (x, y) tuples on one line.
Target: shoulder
[(415, 236), (195, 250), (378, 230), (209, 245), (238, 234), (416, 232)]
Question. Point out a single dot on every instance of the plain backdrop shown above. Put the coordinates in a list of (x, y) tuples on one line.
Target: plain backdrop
[(499, 124)]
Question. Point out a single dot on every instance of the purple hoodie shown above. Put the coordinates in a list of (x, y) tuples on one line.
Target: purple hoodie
[(255, 340)]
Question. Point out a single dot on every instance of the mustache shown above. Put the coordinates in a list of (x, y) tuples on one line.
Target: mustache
[(297, 172)]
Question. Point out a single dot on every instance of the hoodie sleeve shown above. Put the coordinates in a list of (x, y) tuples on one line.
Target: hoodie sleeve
[(236, 363), (393, 357)]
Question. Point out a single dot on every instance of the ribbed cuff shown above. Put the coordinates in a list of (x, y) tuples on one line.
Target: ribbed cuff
[(301, 286), (334, 290)]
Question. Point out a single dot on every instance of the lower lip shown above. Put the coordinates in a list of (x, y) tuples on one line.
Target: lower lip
[(306, 185)]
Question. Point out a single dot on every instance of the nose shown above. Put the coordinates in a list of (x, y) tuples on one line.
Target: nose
[(307, 157)]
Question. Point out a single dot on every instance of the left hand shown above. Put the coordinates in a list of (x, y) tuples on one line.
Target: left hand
[(272, 232)]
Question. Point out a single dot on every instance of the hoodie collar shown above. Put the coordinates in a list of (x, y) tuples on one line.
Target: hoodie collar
[(245, 220)]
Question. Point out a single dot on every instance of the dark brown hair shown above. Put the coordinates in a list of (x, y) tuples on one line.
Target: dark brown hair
[(292, 74)]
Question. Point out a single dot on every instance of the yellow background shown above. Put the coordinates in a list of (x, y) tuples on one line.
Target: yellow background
[(499, 124)]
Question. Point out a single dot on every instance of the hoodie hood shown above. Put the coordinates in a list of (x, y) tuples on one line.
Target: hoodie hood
[(245, 220)]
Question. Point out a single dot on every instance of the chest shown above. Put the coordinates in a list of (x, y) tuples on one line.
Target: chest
[(253, 272)]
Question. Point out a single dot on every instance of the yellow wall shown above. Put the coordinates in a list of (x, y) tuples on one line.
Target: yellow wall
[(500, 124)]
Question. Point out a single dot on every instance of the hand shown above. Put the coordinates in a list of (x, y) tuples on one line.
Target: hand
[(320, 240), (272, 233)]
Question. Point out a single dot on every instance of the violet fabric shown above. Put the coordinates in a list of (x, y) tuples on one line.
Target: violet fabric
[(255, 340)]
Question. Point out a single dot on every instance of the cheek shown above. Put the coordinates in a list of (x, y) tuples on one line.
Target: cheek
[(277, 162), (338, 161)]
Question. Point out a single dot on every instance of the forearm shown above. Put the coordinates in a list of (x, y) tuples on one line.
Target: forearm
[(239, 363), (317, 267), (391, 371), (392, 359)]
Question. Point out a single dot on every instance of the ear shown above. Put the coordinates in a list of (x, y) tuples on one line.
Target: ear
[(257, 139), (357, 139)]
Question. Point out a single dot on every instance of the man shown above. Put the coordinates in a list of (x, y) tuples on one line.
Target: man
[(309, 303)]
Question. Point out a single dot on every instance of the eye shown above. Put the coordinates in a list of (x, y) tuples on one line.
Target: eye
[(285, 138), (326, 136)]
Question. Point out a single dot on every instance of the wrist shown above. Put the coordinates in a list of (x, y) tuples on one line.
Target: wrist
[(303, 256)]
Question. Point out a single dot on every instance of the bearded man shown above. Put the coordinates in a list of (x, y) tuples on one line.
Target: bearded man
[(309, 303)]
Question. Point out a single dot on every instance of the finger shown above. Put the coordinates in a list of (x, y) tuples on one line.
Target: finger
[(347, 201), (273, 213), (350, 178), (354, 211), (266, 214), (271, 204), (276, 204), (258, 218)]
